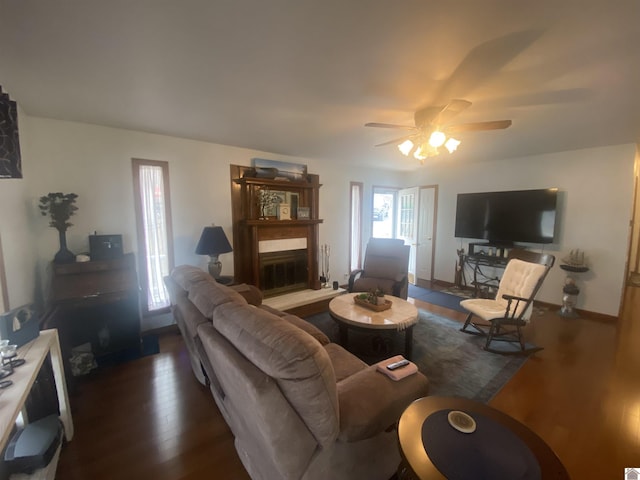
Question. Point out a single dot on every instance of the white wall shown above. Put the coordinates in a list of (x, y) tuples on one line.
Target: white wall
[(334, 208), (17, 241), (95, 163), (634, 261), (596, 187)]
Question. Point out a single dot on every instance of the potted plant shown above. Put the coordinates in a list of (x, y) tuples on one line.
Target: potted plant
[(60, 207)]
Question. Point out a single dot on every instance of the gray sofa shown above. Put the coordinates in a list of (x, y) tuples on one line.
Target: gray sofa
[(299, 406)]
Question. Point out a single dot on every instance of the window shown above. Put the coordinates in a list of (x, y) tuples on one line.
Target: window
[(407, 216), (384, 201), (153, 221), (355, 227)]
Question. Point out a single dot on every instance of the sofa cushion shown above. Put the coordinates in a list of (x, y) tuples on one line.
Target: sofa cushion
[(190, 317), (294, 359), (251, 294), (207, 296), (311, 329), (188, 275), (267, 308)]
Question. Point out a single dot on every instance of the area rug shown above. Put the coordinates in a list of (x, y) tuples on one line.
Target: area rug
[(442, 299), (454, 362)]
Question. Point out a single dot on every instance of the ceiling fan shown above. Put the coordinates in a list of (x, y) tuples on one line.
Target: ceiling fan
[(432, 129)]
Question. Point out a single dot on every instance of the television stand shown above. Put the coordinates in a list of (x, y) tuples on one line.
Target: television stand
[(485, 285), (490, 249)]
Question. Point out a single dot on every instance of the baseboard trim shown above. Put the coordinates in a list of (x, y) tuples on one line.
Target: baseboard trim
[(599, 317), (173, 328)]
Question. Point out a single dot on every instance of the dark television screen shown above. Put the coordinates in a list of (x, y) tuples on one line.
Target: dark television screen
[(505, 217)]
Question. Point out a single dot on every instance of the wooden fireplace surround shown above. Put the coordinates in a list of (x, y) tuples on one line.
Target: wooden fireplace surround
[(249, 229)]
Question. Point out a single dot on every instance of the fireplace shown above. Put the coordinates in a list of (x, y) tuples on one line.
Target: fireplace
[(277, 255), (283, 271)]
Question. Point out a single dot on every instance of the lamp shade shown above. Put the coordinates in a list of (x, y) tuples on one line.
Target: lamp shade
[(213, 241)]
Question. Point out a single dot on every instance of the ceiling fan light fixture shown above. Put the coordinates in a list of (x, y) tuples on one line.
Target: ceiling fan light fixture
[(419, 154), (406, 147), (452, 144), (425, 151), (437, 139)]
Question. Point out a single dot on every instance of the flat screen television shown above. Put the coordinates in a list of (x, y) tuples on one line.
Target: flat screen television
[(527, 216)]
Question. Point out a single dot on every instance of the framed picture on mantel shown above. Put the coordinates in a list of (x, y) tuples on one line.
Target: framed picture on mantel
[(303, 213)]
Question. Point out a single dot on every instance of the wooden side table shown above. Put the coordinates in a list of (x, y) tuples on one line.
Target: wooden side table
[(416, 463), (225, 280)]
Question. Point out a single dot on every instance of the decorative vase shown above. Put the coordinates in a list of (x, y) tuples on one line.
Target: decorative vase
[(64, 255)]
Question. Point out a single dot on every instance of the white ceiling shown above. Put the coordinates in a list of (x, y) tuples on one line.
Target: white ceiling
[(301, 77)]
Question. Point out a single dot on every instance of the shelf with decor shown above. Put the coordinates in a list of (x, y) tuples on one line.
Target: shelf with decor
[(301, 197), (272, 216), (280, 223)]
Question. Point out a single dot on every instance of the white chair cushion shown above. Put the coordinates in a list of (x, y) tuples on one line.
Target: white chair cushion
[(519, 279), (484, 308)]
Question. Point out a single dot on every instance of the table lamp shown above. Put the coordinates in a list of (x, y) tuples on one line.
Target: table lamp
[(213, 242)]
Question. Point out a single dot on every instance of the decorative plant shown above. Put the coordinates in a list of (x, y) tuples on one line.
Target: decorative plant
[(60, 207), (375, 296)]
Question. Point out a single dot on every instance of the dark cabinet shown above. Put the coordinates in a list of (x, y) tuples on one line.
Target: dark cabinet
[(95, 302)]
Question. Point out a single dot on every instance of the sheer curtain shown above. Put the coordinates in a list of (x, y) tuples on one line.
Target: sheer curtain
[(155, 235), (355, 243)]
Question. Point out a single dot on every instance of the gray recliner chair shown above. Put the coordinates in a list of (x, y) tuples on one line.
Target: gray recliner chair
[(386, 265)]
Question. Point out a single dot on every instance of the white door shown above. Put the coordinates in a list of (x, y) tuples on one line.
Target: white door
[(426, 223), (408, 225)]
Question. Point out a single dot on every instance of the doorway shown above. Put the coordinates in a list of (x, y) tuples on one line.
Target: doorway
[(416, 226), (409, 214)]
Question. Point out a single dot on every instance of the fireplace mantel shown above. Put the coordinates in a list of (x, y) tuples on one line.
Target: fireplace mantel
[(249, 230)]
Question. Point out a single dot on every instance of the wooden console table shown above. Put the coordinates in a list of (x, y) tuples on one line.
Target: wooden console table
[(12, 398), (481, 280)]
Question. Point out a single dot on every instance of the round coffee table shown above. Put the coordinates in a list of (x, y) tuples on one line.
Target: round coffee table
[(402, 316), (426, 420)]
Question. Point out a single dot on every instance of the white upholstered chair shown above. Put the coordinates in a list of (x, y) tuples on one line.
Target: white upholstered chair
[(501, 319)]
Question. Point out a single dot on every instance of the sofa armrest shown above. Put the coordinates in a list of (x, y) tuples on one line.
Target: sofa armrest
[(352, 278), (370, 402), (401, 286)]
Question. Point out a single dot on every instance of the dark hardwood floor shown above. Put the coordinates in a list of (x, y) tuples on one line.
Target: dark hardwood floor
[(151, 419)]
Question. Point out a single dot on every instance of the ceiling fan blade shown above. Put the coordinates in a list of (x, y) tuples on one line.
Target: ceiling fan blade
[(395, 140), (479, 126), (450, 111), (388, 125)]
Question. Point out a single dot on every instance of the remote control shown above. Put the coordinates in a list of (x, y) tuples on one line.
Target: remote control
[(399, 364)]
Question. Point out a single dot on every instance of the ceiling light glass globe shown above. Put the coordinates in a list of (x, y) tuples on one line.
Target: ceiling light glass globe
[(452, 145), (406, 147), (437, 139)]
